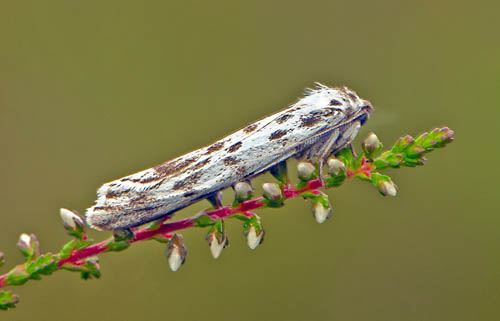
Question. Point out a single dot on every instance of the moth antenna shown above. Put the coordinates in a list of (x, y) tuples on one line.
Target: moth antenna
[(308, 91), (319, 85)]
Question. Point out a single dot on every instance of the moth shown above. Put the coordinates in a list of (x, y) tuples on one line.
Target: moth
[(322, 122)]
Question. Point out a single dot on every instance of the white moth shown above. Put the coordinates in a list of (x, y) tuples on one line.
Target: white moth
[(321, 123)]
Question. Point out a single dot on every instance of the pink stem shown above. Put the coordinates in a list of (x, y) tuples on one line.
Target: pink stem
[(77, 256)]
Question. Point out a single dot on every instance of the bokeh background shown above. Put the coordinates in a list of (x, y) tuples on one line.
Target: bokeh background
[(93, 90)]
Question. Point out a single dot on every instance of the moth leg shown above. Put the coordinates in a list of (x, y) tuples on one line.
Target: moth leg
[(353, 151), (216, 199), (325, 151)]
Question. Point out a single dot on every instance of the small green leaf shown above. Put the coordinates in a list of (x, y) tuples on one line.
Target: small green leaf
[(117, 246), (17, 276), (67, 249), (44, 265), (8, 300), (335, 180), (203, 221)]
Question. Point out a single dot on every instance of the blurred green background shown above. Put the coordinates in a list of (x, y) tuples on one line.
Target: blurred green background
[(93, 90)]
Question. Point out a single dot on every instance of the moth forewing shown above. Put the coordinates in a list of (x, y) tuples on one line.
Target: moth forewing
[(320, 123)]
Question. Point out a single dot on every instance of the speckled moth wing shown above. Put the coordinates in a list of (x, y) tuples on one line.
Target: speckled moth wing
[(299, 129)]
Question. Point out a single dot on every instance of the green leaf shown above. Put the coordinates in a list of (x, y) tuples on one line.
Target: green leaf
[(117, 246), (17, 276), (67, 249), (8, 300), (335, 180), (44, 265), (203, 221), (346, 156)]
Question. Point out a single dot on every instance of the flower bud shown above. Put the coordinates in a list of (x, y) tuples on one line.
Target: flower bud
[(335, 166), (29, 246), (217, 239), (254, 238), (72, 222), (217, 244), (254, 232), (242, 191), (306, 171), (371, 144), (321, 213), (176, 252), (2, 259), (387, 188), (272, 191)]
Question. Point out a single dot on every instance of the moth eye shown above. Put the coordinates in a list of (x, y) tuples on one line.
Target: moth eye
[(335, 102)]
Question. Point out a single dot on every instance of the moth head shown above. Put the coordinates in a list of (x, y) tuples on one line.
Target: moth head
[(342, 102)]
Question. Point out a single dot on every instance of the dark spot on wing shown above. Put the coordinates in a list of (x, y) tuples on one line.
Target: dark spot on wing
[(283, 118), (353, 97), (201, 164), (234, 147), (284, 142), (215, 147), (310, 121), (241, 171), (139, 200), (230, 161), (171, 167), (335, 102), (112, 194), (277, 134), (187, 194), (188, 182)]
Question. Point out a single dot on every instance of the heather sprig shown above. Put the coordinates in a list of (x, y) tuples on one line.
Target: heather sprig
[(80, 253)]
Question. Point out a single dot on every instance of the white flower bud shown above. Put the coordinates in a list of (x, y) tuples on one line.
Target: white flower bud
[(371, 144), (272, 191), (388, 188), (25, 240), (28, 244), (216, 247), (253, 237), (176, 252), (242, 191), (306, 171), (321, 213), (335, 166), (175, 259), (71, 219)]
